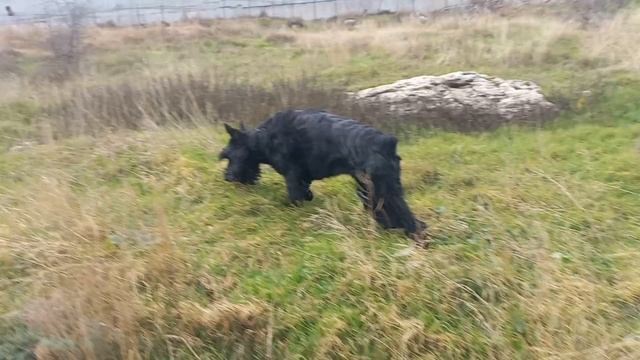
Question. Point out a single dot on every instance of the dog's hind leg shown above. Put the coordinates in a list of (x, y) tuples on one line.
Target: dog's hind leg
[(363, 190), (366, 191)]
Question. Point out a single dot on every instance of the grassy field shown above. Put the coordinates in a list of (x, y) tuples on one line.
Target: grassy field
[(129, 245)]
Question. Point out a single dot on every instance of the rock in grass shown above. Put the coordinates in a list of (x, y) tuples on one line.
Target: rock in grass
[(461, 100)]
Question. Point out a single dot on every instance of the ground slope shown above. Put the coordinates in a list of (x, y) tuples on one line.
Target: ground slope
[(535, 250)]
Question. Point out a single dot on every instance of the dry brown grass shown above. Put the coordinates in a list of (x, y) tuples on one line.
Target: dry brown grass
[(178, 33), (617, 40), (181, 100), (94, 285), (26, 39), (521, 38), (480, 39)]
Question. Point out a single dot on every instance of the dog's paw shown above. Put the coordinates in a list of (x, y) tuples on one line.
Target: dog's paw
[(422, 241), (421, 226), (295, 203), (309, 196), (421, 237)]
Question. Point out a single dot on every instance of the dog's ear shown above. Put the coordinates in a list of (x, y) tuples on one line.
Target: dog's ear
[(230, 130), (235, 133)]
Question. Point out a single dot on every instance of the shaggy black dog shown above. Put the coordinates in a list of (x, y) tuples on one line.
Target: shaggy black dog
[(307, 145)]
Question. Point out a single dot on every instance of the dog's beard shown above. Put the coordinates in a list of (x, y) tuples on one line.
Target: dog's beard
[(250, 175)]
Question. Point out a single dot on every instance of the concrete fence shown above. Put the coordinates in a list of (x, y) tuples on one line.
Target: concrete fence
[(131, 12)]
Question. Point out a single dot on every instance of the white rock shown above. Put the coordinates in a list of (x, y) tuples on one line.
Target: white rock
[(462, 96)]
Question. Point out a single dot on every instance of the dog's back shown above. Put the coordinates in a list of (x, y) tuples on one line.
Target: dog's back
[(328, 144)]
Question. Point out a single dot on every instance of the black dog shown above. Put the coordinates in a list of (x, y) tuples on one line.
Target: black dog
[(307, 145)]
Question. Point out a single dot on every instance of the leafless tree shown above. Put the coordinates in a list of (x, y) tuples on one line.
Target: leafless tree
[(67, 27)]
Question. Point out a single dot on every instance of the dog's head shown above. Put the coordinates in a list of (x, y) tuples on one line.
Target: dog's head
[(243, 166)]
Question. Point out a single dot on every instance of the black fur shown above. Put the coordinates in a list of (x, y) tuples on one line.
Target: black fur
[(307, 145)]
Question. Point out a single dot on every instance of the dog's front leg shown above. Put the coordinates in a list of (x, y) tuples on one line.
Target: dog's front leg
[(298, 187)]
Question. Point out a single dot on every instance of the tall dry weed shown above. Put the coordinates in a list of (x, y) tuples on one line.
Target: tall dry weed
[(90, 288)]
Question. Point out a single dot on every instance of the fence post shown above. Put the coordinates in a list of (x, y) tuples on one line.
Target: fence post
[(315, 10)]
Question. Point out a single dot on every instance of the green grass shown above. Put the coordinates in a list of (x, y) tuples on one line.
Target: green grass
[(535, 240), (17, 122)]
